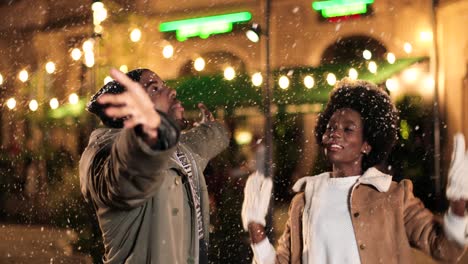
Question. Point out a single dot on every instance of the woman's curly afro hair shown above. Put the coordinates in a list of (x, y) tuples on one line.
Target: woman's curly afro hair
[(378, 114)]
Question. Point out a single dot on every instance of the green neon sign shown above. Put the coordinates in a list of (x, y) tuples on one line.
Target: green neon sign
[(204, 26), (335, 8)]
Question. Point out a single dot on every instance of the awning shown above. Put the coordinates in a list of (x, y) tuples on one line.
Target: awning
[(215, 91)]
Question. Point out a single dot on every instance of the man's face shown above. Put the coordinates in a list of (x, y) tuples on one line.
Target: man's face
[(162, 96)]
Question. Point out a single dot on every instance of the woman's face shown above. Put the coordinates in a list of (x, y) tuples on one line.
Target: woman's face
[(343, 139)]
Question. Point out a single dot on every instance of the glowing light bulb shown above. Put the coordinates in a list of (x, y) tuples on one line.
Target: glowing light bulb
[(199, 64), (257, 79), (168, 51), (309, 82), (23, 75), (353, 74), (107, 79), (372, 67), (367, 54), (89, 59), (425, 35), (123, 68), (331, 79), (407, 47), (50, 67), (283, 82), (54, 103), (88, 46), (98, 29), (11, 103), (243, 137), (1, 79), (97, 6), (392, 84), (73, 98), (33, 105), (391, 58), (135, 35), (229, 73), (76, 54)]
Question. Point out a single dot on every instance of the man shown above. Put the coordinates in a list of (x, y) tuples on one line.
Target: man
[(146, 184)]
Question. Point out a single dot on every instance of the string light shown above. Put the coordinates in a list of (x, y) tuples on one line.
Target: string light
[(54, 103), (73, 98), (407, 47), (98, 29), (50, 67), (1, 79), (353, 74), (367, 54), (107, 79), (135, 35), (309, 82), (23, 75), (88, 46), (331, 79), (11, 103), (229, 73), (199, 64), (123, 68), (168, 51), (372, 67), (99, 12), (391, 58), (89, 59), (257, 79), (392, 85), (425, 36), (283, 82), (33, 105), (76, 54)]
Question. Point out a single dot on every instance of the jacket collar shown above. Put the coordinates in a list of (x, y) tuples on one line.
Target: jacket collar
[(376, 178), (371, 176)]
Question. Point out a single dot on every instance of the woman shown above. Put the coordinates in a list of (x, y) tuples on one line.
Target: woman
[(355, 213)]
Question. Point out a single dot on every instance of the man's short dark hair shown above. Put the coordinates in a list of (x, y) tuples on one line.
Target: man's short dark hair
[(112, 87), (378, 115)]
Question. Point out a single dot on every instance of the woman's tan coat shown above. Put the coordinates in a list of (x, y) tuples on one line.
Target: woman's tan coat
[(388, 220)]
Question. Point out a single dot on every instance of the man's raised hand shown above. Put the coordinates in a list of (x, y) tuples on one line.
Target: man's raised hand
[(133, 104), (206, 115)]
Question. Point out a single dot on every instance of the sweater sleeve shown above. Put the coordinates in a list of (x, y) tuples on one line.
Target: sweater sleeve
[(124, 172), (425, 231), (264, 253), (455, 227)]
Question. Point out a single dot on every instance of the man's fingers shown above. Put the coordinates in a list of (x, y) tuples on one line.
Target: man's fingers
[(113, 99), (205, 112), (118, 112), (123, 79)]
